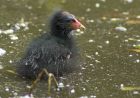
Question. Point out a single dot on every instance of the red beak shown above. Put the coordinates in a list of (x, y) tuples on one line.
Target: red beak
[(76, 25)]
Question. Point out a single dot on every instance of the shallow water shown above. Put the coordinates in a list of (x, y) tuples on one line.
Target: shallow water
[(112, 30)]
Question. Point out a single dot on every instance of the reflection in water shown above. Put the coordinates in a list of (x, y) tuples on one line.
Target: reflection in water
[(112, 31)]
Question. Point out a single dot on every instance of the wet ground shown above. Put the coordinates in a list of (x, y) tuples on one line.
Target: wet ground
[(109, 47)]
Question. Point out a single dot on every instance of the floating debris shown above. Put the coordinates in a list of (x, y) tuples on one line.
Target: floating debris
[(125, 13), (131, 22), (84, 97), (90, 21), (84, 89), (91, 40), (136, 92), (132, 39), (97, 61), (138, 17), (20, 25), (135, 50), (60, 85), (91, 64), (116, 19), (128, 88), (137, 61), (107, 42), (103, 0), (9, 31), (26, 96), (97, 5), (13, 37), (11, 71), (2, 52), (72, 91), (10, 61), (92, 96), (128, 1), (121, 28), (88, 9), (79, 32), (137, 46), (7, 89), (104, 18), (1, 67), (88, 56)]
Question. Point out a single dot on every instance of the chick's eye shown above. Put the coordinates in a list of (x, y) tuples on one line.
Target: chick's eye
[(73, 20)]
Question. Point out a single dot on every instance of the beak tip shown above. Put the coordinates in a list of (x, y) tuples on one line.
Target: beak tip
[(82, 26)]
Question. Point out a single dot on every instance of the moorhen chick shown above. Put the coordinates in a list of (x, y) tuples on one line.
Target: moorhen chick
[(54, 52)]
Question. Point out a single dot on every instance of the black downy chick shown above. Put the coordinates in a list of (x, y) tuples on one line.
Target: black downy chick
[(55, 51)]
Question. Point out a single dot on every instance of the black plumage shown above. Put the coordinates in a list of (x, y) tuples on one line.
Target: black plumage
[(55, 51)]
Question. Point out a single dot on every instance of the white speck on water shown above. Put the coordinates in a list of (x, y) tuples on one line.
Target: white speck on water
[(39, 30), (128, 1), (13, 37), (80, 73), (121, 28), (7, 89), (84, 97), (26, 96), (116, 36), (88, 9), (107, 42), (30, 7), (9, 31), (103, 0), (122, 86), (96, 53), (26, 28), (22, 24), (97, 5), (12, 42), (126, 40), (115, 19), (83, 68), (134, 45), (2, 52), (10, 61), (91, 40), (28, 86), (130, 55), (125, 13), (91, 64), (81, 32), (60, 85), (15, 93), (135, 92), (0, 31), (92, 96), (97, 61), (104, 18), (17, 27), (84, 89), (72, 91), (90, 21), (99, 46), (67, 85), (1, 67), (138, 17), (88, 56), (78, 30), (137, 61), (8, 24)]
